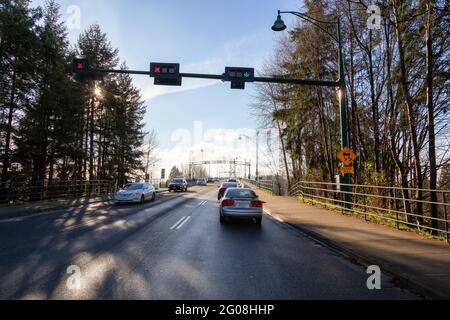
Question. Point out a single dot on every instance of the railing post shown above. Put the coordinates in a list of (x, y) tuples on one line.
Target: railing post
[(365, 205), (397, 221), (445, 217)]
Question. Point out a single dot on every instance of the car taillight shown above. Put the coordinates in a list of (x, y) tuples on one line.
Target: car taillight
[(228, 203), (257, 204)]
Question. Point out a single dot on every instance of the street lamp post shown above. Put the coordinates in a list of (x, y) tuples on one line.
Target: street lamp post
[(281, 26), (190, 164), (257, 152), (257, 157)]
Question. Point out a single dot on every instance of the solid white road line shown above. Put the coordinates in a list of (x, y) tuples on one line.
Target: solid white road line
[(273, 216), (176, 224), (181, 225)]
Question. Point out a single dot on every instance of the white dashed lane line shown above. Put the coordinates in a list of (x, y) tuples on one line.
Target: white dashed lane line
[(184, 222), (178, 223)]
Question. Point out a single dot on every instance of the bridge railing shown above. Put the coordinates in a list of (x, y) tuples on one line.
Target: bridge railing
[(268, 185), (395, 206), (14, 192)]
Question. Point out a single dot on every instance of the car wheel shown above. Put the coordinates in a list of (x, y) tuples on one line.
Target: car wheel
[(154, 196), (258, 221), (142, 199), (223, 219)]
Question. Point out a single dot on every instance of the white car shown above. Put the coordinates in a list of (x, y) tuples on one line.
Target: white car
[(202, 182), (136, 192)]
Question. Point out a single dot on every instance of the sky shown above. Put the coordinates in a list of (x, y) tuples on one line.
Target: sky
[(204, 36)]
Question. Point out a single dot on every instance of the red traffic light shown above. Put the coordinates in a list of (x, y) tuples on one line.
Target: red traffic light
[(80, 65), (82, 71), (166, 70)]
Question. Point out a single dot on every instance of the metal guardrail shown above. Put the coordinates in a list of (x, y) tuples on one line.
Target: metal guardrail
[(268, 185), (14, 192), (391, 204)]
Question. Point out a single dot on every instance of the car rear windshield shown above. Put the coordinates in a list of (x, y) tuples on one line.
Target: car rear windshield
[(177, 181), (132, 187), (241, 193), (229, 185)]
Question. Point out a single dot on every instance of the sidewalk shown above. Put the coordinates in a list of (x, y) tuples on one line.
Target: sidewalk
[(20, 210), (421, 264)]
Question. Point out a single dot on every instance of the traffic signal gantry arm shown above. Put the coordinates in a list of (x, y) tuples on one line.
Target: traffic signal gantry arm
[(98, 72)]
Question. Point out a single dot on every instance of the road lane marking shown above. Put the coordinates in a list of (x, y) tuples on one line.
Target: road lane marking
[(176, 224), (181, 225), (203, 203)]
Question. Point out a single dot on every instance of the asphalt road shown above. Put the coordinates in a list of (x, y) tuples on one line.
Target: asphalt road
[(174, 248)]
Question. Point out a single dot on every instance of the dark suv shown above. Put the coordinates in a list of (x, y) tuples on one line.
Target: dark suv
[(178, 184)]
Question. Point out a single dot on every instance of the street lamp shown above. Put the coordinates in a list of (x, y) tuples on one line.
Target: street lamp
[(279, 25)]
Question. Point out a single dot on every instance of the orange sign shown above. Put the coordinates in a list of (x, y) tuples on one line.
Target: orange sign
[(347, 170), (347, 156)]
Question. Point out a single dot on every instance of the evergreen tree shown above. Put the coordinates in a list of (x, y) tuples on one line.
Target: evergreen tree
[(37, 138), (18, 43), (122, 132), (94, 45)]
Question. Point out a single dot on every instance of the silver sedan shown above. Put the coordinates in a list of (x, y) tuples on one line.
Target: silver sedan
[(241, 203), (136, 192)]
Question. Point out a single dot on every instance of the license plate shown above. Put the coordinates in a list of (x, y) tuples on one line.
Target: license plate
[(242, 205)]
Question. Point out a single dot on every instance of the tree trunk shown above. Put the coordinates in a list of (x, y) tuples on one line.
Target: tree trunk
[(374, 106), (431, 125), (411, 114), (91, 140), (6, 160), (286, 166)]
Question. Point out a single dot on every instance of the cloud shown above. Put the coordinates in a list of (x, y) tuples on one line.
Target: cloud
[(218, 144), (151, 91)]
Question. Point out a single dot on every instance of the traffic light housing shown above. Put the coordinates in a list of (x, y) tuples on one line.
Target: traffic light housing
[(239, 76), (166, 74), (82, 71)]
